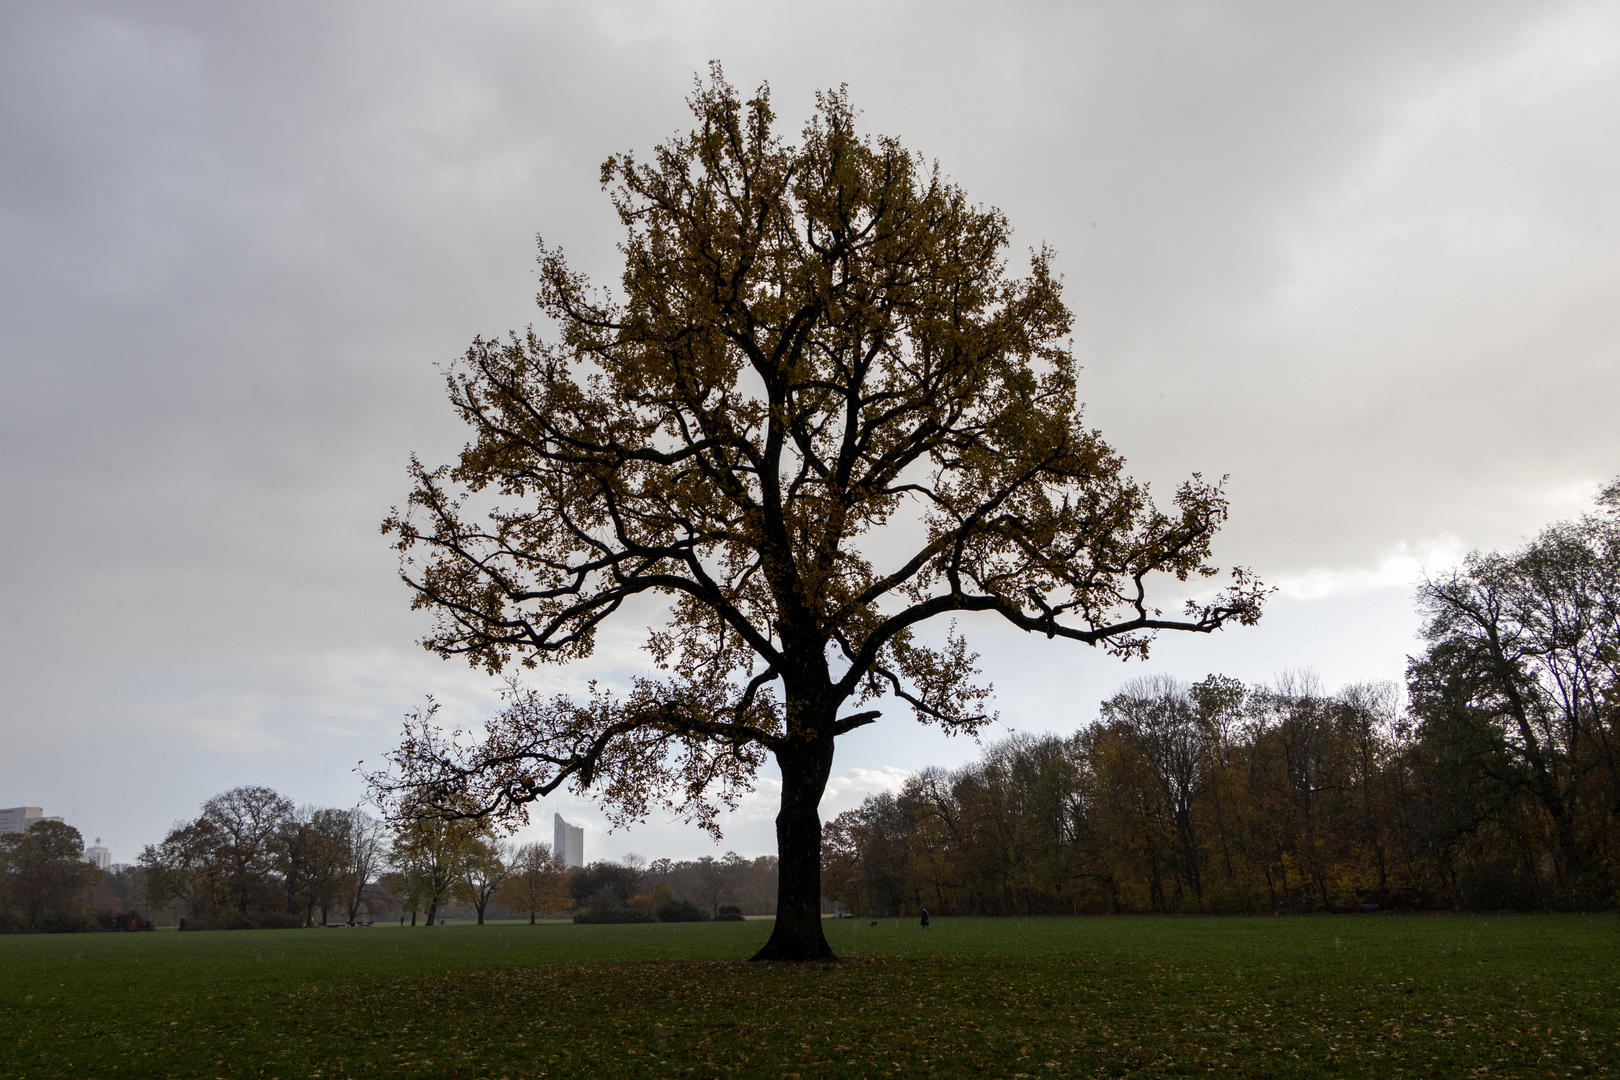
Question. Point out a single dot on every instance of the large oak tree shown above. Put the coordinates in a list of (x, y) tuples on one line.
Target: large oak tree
[(817, 413)]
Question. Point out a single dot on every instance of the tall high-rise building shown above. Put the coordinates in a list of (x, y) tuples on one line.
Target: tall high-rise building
[(19, 818), (570, 842), (98, 856)]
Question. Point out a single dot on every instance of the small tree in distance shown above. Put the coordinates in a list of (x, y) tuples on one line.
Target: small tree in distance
[(539, 881), (431, 851), (367, 847), (819, 415), (717, 880), (483, 872)]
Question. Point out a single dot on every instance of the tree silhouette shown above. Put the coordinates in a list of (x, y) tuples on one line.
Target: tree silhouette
[(818, 414)]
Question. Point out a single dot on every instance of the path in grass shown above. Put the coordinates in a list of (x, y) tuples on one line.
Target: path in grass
[(1375, 996)]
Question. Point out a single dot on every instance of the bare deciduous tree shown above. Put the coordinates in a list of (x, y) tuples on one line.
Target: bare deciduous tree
[(368, 847)]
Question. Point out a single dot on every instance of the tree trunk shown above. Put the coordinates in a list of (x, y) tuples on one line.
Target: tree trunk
[(797, 934)]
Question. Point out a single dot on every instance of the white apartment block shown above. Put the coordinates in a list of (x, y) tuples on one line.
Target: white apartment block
[(19, 818)]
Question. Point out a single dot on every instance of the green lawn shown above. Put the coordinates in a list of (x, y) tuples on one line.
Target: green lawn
[(1525, 996)]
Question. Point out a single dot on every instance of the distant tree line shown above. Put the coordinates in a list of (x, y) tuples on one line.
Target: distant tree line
[(1496, 785), (252, 860), (666, 890), (46, 886), (44, 880)]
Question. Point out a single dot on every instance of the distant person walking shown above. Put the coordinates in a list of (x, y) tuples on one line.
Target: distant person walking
[(925, 918)]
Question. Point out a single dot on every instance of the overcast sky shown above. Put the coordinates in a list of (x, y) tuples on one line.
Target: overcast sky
[(1360, 256)]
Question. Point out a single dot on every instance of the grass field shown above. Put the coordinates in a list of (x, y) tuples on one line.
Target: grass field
[(1524, 996)]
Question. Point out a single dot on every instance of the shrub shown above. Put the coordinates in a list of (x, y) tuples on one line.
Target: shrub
[(233, 920), (1235, 898), (614, 915), (66, 922), (122, 920), (680, 911), (729, 913)]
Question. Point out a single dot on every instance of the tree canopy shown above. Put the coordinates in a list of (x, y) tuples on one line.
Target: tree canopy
[(818, 413), (1520, 686), (252, 858), (1495, 786), (43, 877)]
